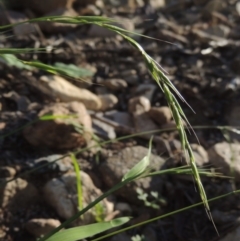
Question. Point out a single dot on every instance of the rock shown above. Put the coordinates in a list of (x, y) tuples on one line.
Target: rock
[(117, 165), (41, 7), (104, 130), (161, 115), (6, 172), (60, 133), (97, 31), (143, 123), (146, 90), (123, 118), (17, 194), (130, 76), (115, 84), (139, 105), (232, 236), (58, 87), (223, 157), (169, 148), (124, 209), (40, 226), (61, 194), (12, 17), (169, 125), (51, 27), (200, 154), (63, 164), (108, 101), (22, 101)]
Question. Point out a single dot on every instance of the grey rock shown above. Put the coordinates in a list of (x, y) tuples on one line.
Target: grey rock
[(146, 90), (223, 157), (61, 194), (123, 118), (117, 165), (63, 164), (104, 130)]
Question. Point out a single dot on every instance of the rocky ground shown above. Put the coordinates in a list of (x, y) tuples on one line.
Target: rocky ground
[(199, 50)]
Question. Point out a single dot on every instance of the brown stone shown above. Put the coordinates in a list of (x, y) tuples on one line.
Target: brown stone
[(161, 115), (61, 133)]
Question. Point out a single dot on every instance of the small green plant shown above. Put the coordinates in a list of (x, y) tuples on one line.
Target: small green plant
[(157, 201), (138, 238)]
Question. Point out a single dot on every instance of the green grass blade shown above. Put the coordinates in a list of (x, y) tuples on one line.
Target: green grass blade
[(140, 168), (78, 180), (74, 234)]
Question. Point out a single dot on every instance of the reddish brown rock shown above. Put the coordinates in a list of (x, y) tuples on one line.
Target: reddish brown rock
[(61, 133)]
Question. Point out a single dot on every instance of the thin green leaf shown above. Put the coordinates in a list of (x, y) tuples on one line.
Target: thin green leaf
[(78, 180), (140, 168), (54, 117), (73, 234)]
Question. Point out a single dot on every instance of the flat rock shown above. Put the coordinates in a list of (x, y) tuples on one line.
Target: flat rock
[(58, 87), (117, 165), (61, 194), (61, 133), (41, 226), (123, 118), (223, 157), (103, 129)]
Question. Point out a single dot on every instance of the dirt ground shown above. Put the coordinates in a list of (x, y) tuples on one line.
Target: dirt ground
[(197, 44)]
